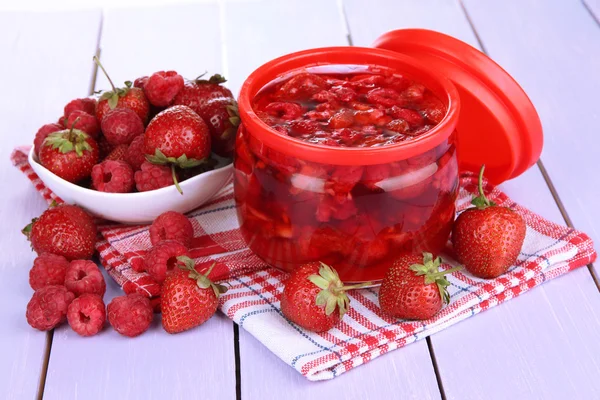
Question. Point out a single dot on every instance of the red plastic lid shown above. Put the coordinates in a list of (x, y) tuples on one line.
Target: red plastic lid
[(498, 125)]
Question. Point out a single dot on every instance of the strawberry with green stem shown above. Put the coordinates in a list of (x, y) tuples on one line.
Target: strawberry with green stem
[(488, 238), (177, 137), (188, 298), (70, 154), (126, 97), (315, 298), (414, 287)]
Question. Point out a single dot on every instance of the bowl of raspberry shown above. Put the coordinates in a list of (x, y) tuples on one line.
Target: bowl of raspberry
[(351, 156)]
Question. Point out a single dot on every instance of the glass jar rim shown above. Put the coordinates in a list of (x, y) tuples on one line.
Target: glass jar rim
[(441, 86)]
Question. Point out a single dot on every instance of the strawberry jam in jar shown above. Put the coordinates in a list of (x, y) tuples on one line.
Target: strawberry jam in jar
[(346, 156)]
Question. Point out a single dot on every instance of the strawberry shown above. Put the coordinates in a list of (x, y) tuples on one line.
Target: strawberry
[(487, 238), (222, 118), (188, 298), (127, 97), (70, 154), (414, 288), (179, 137), (195, 94), (315, 298), (64, 230)]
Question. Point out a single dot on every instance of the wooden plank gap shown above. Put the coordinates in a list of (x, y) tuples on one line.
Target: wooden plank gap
[(438, 376), (44, 371), (346, 23), (479, 41), (589, 10), (238, 369)]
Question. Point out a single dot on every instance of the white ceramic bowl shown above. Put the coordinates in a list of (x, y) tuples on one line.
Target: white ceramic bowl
[(135, 208)]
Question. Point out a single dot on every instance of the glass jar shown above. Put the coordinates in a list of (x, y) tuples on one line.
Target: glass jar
[(356, 209)]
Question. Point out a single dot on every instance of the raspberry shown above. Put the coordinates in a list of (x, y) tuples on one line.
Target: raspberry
[(85, 105), (163, 258), (112, 177), (48, 307), (130, 315), (385, 97), (48, 269), (343, 119), (343, 93), (414, 119), (302, 86), (121, 125), (86, 314), (84, 276), (42, 133), (140, 82), (172, 225), (284, 110), (87, 123), (135, 153), (162, 87), (152, 177), (118, 153)]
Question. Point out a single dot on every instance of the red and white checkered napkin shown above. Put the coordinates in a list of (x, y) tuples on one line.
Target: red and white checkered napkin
[(252, 301)]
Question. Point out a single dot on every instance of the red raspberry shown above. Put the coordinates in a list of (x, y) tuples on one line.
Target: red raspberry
[(87, 314), (118, 153), (48, 269), (162, 87), (385, 97), (84, 276), (86, 105), (163, 258), (112, 177), (172, 225), (302, 86), (414, 119), (343, 119), (130, 315), (42, 133), (140, 82), (121, 125), (284, 110), (152, 177), (87, 123), (48, 307), (344, 93), (135, 155)]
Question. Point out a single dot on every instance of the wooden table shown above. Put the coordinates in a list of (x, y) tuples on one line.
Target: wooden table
[(544, 344)]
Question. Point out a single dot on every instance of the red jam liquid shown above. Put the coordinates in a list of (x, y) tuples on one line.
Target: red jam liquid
[(360, 218)]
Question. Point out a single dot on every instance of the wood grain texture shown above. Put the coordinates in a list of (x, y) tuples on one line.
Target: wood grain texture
[(553, 54), (539, 345), (39, 74), (196, 364), (256, 32)]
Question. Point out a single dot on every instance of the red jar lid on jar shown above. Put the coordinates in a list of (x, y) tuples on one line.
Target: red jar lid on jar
[(498, 125)]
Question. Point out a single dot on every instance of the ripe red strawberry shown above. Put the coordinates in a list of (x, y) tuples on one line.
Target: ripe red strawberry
[(86, 105), (414, 288), (119, 153), (222, 118), (64, 230), (195, 94), (127, 97), (162, 87), (488, 239), (130, 315), (48, 269), (171, 225), (48, 307), (113, 177), (84, 122), (69, 154), (43, 133), (87, 314), (315, 298), (179, 137), (121, 126), (188, 298)]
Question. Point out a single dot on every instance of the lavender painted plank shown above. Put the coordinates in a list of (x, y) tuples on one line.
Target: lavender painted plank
[(594, 8), (555, 56), (255, 33), (539, 348), (197, 363), (36, 83)]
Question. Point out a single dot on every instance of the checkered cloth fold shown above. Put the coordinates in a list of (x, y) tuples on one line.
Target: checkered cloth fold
[(252, 301)]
